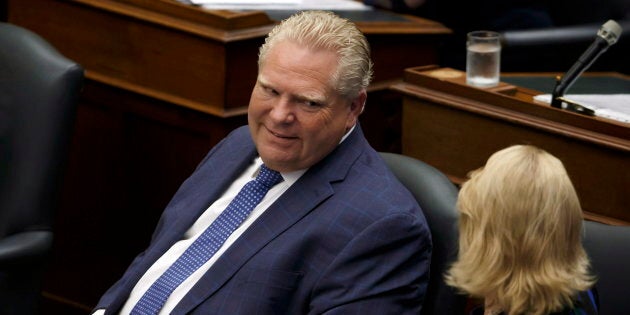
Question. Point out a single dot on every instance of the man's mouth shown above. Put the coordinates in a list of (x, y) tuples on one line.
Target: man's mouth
[(279, 135)]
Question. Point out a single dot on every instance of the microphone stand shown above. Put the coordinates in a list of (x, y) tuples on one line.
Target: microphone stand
[(584, 62), (606, 37)]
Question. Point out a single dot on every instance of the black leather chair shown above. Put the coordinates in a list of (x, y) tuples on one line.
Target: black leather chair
[(437, 196), (608, 247), (38, 92)]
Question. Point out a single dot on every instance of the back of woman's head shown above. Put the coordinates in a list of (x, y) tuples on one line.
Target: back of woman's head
[(520, 228)]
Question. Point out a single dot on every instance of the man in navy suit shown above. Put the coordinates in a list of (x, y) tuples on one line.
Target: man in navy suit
[(338, 235)]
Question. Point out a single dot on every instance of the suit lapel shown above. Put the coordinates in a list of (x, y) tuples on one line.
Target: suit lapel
[(302, 197), (206, 185), (195, 195)]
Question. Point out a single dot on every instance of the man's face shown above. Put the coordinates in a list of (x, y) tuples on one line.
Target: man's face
[(295, 115)]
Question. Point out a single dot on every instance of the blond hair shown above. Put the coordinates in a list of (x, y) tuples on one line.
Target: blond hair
[(520, 234), (325, 30)]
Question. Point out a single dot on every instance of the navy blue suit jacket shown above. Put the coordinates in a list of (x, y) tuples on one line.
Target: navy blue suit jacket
[(346, 238)]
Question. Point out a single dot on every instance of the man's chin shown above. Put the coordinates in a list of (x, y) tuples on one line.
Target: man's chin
[(278, 159)]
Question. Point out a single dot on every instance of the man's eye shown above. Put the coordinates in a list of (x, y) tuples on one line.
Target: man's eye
[(312, 104), (270, 91)]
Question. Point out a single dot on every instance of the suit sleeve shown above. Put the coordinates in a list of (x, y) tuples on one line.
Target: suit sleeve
[(383, 270)]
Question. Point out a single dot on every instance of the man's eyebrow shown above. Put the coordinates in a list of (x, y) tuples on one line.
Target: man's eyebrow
[(261, 80), (311, 97)]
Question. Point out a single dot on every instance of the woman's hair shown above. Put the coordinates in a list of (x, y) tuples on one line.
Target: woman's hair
[(520, 234), (325, 30)]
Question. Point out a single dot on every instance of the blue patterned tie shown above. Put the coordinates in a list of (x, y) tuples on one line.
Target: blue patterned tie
[(208, 243)]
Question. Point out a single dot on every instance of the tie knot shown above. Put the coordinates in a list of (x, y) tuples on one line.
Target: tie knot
[(268, 177)]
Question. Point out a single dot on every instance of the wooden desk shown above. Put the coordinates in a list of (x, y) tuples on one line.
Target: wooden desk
[(195, 58), (165, 82), (455, 128)]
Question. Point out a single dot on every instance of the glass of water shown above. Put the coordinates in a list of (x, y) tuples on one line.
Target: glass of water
[(483, 58)]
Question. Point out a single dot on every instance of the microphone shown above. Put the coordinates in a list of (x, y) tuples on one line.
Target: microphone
[(606, 37)]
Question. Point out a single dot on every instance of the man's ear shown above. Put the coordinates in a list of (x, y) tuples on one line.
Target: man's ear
[(358, 103), (356, 108)]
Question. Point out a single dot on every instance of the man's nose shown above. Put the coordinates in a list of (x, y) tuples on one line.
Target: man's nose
[(283, 111)]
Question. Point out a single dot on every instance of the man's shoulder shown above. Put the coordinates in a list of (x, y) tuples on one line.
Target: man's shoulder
[(240, 132), (236, 139), (380, 186)]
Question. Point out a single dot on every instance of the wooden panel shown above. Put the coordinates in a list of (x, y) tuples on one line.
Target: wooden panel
[(456, 130), (165, 63), (191, 57)]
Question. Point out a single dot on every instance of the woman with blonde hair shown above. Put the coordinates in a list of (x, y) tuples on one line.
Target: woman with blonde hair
[(520, 244)]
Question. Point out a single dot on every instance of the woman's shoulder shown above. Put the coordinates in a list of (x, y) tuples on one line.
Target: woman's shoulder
[(586, 303)]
